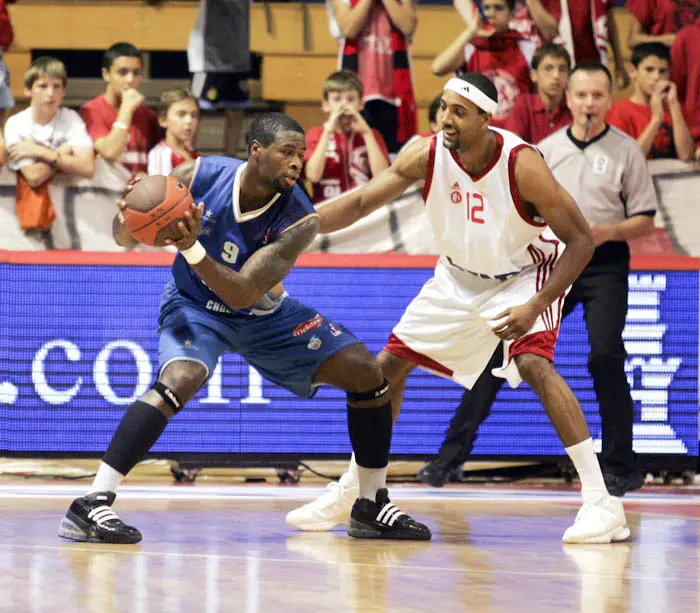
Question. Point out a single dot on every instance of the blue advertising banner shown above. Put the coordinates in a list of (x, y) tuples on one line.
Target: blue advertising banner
[(79, 344)]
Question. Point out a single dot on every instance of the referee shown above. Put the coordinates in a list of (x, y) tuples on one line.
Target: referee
[(606, 173)]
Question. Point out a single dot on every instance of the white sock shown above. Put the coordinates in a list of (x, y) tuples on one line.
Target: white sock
[(106, 480), (349, 478), (371, 480), (586, 463)]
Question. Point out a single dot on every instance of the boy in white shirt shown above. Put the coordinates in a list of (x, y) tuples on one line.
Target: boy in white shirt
[(47, 138), (178, 115)]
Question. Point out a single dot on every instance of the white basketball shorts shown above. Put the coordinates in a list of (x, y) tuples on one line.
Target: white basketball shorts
[(445, 329)]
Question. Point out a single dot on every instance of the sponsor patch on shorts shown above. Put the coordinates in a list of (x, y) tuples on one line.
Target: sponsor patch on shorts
[(307, 326), (315, 343)]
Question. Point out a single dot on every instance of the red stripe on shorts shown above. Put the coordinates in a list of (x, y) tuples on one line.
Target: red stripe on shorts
[(539, 343), (396, 346)]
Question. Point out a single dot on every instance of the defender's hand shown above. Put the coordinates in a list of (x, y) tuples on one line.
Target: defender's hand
[(514, 322)]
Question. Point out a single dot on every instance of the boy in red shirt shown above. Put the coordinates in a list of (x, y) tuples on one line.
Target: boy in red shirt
[(344, 152), (536, 116), (178, 115), (653, 114), (496, 51), (122, 129)]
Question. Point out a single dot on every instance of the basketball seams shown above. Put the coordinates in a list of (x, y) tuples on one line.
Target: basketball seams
[(147, 224)]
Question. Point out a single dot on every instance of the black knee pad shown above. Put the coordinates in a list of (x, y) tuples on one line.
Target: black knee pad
[(169, 396), (370, 395)]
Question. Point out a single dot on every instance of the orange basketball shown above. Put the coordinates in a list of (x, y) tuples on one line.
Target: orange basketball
[(153, 208)]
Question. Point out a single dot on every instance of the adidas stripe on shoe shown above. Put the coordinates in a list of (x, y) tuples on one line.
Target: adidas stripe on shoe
[(380, 519), (91, 519)]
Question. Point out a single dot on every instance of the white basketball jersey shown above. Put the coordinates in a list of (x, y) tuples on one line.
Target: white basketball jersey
[(480, 222)]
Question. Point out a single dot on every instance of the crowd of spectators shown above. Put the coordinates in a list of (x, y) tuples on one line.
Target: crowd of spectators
[(527, 48)]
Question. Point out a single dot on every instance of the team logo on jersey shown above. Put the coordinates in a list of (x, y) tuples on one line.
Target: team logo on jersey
[(315, 343), (208, 217), (334, 330), (307, 326), (456, 193)]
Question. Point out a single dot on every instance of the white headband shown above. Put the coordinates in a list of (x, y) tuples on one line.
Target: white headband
[(473, 94)]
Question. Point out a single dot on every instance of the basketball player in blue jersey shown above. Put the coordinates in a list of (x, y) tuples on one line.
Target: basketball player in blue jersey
[(225, 296)]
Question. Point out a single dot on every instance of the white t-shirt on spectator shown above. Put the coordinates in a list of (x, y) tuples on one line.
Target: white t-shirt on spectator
[(66, 127)]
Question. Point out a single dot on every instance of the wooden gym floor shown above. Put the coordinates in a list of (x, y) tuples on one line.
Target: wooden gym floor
[(214, 549)]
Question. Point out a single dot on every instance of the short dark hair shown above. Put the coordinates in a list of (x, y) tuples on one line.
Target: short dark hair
[(644, 50), (482, 83), (551, 49), (266, 128), (591, 66), (434, 108), (119, 50)]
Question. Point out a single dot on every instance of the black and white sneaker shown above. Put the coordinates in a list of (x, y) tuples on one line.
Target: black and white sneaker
[(91, 519), (384, 520)]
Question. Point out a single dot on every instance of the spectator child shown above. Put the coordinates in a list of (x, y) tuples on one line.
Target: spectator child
[(496, 51), (653, 114), (536, 116), (43, 140), (122, 128), (178, 115), (344, 152)]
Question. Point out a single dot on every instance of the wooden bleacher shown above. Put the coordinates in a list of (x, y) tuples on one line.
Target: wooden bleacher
[(290, 73)]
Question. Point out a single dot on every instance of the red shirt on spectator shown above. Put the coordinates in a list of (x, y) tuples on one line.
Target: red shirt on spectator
[(7, 35), (532, 121), (633, 118), (144, 132), (685, 72), (505, 59), (663, 16), (347, 164)]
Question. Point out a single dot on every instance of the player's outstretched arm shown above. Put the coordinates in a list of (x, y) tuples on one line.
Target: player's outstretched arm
[(410, 166), (537, 186)]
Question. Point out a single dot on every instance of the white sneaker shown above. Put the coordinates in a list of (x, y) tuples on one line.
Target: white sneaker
[(331, 509), (602, 521)]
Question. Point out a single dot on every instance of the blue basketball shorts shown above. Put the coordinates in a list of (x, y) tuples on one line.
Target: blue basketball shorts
[(286, 347)]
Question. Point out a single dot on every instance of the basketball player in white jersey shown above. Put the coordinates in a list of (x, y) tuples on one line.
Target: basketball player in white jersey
[(501, 223)]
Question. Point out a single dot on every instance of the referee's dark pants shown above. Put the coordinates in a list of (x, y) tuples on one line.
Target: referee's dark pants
[(602, 288)]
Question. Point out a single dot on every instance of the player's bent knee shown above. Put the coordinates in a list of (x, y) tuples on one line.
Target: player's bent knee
[(354, 369), (183, 378), (533, 368)]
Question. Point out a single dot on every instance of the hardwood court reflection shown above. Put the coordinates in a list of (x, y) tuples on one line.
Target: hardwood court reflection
[(231, 554)]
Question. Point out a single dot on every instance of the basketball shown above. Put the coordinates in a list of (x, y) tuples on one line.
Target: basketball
[(154, 206)]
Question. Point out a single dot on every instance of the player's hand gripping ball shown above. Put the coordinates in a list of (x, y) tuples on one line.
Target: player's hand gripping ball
[(153, 206)]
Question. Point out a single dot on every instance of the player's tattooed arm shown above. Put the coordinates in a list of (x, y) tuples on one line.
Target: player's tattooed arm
[(264, 269), (410, 166)]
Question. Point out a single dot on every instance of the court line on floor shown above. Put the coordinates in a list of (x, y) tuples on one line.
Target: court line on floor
[(246, 492), (99, 549)]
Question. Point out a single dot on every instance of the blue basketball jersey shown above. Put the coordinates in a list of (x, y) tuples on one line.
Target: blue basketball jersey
[(230, 236)]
